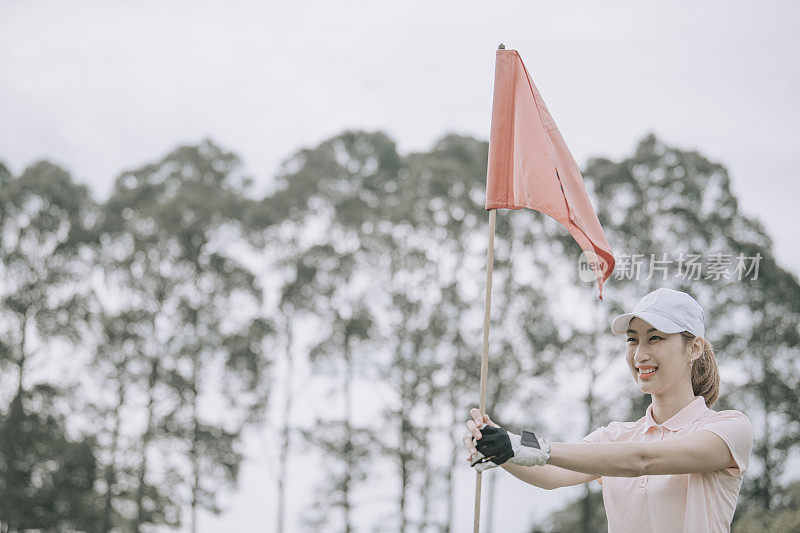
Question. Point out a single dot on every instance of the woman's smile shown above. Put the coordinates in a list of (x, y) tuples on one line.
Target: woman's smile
[(646, 371)]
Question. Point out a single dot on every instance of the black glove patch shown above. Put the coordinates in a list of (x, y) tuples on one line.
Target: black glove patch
[(495, 445), (529, 439)]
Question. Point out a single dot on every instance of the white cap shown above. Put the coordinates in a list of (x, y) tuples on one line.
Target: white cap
[(667, 310)]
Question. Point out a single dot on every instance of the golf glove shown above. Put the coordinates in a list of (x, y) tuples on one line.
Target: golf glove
[(497, 445)]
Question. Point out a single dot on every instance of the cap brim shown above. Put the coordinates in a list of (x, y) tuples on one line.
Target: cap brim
[(663, 324)]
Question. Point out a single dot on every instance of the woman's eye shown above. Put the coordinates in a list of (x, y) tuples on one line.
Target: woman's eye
[(651, 338)]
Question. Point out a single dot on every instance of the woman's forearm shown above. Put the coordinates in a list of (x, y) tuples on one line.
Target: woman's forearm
[(616, 459), (538, 476)]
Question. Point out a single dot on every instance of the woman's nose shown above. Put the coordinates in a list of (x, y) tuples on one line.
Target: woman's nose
[(639, 355)]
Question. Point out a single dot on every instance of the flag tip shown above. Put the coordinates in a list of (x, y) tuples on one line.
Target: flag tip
[(501, 47)]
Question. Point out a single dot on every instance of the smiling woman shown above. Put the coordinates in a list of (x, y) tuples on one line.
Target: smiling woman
[(680, 467)]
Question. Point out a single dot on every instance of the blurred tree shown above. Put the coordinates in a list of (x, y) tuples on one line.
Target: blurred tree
[(782, 517), (321, 288), (46, 232), (573, 517), (122, 364), (46, 479), (346, 445), (178, 222), (443, 202), (408, 373), (289, 308), (5, 174), (335, 186)]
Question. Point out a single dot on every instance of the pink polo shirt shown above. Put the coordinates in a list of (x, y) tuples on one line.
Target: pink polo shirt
[(690, 503)]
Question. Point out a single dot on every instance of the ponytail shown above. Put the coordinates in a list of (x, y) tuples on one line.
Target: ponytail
[(705, 374)]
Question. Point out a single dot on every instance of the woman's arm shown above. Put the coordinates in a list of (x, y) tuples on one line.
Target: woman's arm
[(698, 452), (702, 451), (618, 459), (547, 477)]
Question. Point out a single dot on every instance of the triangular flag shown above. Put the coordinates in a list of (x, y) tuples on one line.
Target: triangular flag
[(531, 167)]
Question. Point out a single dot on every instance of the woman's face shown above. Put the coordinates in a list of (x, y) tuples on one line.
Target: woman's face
[(658, 361)]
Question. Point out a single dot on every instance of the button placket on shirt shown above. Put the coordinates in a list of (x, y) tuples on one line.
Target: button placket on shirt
[(660, 432), (659, 435)]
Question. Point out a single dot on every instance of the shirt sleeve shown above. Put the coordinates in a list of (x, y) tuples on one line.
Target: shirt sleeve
[(595, 436), (735, 429)]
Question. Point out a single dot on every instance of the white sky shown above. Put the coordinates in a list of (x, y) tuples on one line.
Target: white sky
[(103, 86)]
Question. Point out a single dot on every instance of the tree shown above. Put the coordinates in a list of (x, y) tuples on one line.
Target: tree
[(337, 186), (782, 517), (573, 517), (46, 478), (177, 221), (124, 368), (46, 233)]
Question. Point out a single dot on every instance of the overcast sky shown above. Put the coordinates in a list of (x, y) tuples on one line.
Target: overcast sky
[(103, 86)]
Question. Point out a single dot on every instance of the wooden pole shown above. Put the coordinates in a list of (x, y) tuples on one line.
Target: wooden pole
[(485, 358)]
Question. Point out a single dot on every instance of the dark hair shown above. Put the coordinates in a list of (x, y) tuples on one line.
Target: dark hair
[(705, 373)]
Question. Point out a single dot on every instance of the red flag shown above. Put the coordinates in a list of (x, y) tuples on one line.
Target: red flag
[(531, 167)]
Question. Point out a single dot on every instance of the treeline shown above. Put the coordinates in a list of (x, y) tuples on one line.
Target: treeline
[(140, 335)]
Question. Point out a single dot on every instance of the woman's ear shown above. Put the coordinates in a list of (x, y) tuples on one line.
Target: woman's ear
[(697, 348)]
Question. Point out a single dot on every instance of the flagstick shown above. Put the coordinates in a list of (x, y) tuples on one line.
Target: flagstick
[(485, 359)]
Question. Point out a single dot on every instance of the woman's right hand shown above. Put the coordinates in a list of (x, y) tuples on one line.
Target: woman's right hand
[(474, 424)]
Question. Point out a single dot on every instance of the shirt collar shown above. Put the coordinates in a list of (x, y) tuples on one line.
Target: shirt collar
[(691, 412)]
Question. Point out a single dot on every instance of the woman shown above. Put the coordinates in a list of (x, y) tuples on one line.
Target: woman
[(679, 467)]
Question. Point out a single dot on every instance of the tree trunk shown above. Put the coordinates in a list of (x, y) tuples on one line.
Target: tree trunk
[(767, 462), (21, 363), (194, 451), (427, 498), (452, 468), (347, 428), (283, 457), (404, 431), (148, 433), (111, 470)]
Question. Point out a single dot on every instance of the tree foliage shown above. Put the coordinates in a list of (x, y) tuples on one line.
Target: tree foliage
[(177, 294)]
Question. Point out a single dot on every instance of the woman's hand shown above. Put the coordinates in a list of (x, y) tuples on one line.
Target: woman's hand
[(474, 426), (502, 445)]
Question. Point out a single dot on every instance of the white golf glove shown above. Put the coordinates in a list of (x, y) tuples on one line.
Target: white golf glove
[(497, 445)]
